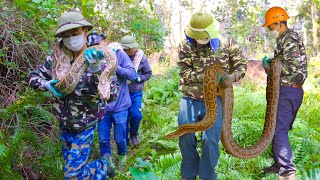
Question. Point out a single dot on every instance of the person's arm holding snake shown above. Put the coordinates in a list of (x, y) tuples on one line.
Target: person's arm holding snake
[(41, 78), (126, 69), (239, 63), (95, 60), (146, 70)]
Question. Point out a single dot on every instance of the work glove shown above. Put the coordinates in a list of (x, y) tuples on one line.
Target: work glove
[(226, 80), (93, 58), (49, 85), (266, 64), (137, 78)]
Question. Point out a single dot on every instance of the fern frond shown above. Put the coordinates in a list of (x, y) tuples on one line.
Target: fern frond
[(313, 174), (4, 151), (168, 144), (169, 166)]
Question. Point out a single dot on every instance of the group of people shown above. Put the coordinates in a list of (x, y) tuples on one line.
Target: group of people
[(204, 45), (80, 111)]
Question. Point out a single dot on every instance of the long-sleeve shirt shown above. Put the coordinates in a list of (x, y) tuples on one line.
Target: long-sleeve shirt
[(292, 53), (76, 111), (125, 71), (144, 72), (193, 60)]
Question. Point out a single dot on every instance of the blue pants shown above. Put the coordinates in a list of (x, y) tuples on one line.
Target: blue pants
[(119, 120), (135, 114), (76, 150), (192, 111), (290, 100)]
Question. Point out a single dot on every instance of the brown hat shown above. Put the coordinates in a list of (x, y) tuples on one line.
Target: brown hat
[(71, 20)]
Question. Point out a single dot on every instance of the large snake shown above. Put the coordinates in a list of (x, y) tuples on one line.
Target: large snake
[(69, 76), (210, 85)]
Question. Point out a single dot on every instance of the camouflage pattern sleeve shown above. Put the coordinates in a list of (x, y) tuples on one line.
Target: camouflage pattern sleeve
[(237, 60), (41, 74), (294, 59), (187, 71)]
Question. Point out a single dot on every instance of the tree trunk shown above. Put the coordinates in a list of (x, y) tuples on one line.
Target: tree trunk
[(167, 17), (180, 22), (191, 6), (314, 29)]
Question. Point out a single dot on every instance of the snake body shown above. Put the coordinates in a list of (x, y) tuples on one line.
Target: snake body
[(210, 86), (69, 75)]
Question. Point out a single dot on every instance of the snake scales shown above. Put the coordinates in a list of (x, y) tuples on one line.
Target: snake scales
[(69, 75), (210, 85)]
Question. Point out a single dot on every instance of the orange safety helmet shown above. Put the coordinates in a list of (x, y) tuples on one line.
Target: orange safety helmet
[(274, 15)]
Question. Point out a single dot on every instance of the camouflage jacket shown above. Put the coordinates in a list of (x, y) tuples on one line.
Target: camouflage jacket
[(193, 60), (78, 110), (291, 51)]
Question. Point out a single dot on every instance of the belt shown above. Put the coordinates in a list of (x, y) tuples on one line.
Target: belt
[(294, 85)]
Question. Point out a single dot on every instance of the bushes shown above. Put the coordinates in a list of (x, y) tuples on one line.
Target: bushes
[(33, 149), (163, 90)]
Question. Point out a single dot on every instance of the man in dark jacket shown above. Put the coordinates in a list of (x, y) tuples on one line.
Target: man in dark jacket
[(116, 109)]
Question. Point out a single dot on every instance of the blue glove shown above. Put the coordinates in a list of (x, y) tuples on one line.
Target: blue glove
[(266, 61), (93, 58), (49, 85), (93, 55), (137, 77)]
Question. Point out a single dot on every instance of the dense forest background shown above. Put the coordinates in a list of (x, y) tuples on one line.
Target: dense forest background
[(29, 134)]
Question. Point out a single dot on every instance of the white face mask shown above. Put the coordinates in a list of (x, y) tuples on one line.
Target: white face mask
[(203, 41), (275, 34), (74, 43)]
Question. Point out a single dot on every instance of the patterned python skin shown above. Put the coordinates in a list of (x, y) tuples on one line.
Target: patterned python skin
[(210, 87), (210, 90), (68, 75)]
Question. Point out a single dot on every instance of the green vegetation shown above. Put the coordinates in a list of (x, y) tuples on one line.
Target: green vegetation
[(159, 156), (29, 133), (248, 120)]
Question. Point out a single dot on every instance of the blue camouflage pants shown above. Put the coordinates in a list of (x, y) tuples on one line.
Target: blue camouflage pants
[(76, 150), (192, 111), (134, 114), (290, 100), (119, 120)]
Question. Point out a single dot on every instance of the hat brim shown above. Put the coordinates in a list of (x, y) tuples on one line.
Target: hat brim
[(70, 26), (129, 46), (196, 34)]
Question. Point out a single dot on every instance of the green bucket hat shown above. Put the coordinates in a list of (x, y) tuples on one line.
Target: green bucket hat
[(201, 26), (71, 20), (128, 42)]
